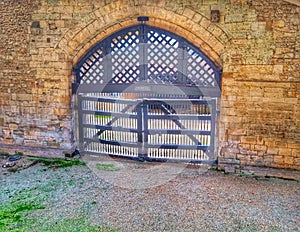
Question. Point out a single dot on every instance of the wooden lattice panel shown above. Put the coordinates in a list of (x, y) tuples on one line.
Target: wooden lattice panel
[(125, 58), (147, 54)]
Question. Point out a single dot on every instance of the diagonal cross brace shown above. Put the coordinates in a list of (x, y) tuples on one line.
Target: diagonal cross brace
[(181, 126), (108, 124)]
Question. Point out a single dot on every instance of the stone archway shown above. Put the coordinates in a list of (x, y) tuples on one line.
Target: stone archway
[(170, 82), (193, 26)]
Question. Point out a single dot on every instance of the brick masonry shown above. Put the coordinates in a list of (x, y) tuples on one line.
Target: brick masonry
[(257, 44)]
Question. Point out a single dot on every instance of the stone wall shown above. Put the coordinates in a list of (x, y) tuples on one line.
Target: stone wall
[(256, 43), (260, 122)]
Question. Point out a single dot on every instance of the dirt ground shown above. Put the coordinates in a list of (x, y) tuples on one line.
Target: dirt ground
[(121, 195)]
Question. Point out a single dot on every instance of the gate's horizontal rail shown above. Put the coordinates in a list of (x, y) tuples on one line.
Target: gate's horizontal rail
[(187, 101), (210, 161), (179, 160), (110, 128), (178, 117), (108, 100), (147, 145), (177, 146), (177, 132), (112, 142), (149, 131), (105, 113), (147, 88)]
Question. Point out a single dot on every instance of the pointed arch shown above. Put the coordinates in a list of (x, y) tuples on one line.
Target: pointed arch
[(150, 54)]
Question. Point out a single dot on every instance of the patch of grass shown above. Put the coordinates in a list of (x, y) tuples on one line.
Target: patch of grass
[(56, 162), (19, 153), (78, 224), (14, 213), (4, 153), (27, 209), (107, 167)]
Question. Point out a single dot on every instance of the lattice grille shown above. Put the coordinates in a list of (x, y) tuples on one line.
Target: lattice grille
[(198, 70), (162, 58), (125, 58), (147, 53), (92, 72)]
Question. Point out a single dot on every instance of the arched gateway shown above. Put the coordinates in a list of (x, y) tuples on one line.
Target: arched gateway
[(147, 93)]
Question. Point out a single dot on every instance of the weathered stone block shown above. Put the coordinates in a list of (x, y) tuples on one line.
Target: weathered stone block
[(53, 144), (61, 112), (279, 159), (249, 139), (272, 151), (8, 141), (1, 121), (297, 163), (243, 157), (24, 97), (13, 126), (285, 151), (289, 160), (260, 148), (294, 145), (229, 152), (296, 153)]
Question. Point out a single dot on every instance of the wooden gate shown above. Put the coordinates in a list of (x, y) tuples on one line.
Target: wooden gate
[(147, 93), (148, 129)]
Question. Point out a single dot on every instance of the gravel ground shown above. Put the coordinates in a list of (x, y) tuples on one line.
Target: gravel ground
[(186, 199)]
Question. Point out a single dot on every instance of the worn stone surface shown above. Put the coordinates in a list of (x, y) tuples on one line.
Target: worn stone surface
[(260, 101), (257, 44)]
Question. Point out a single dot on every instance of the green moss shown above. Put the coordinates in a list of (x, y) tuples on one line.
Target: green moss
[(4, 153), (22, 210), (19, 153), (14, 213), (78, 224), (57, 162), (107, 167)]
